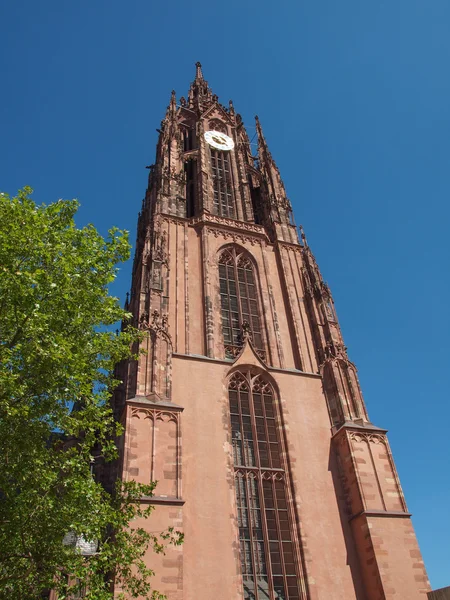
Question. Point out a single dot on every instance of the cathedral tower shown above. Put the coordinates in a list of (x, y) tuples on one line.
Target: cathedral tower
[(245, 406)]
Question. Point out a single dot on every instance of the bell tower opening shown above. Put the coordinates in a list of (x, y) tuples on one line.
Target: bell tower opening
[(223, 202)]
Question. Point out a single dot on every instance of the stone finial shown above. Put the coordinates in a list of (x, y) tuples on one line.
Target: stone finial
[(172, 108), (262, 145), (303, 236), (198, 71)]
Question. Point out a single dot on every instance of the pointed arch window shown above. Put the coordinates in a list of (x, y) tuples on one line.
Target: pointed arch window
[(239, 302), (223, 201), (269, 563)]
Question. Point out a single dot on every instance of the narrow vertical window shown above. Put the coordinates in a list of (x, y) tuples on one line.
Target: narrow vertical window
[(190, 170), (267, 554), (239, 302), (188, 139), (255, 194), (223, 202)]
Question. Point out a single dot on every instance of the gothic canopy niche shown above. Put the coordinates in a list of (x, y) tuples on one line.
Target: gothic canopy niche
[(157, 362)]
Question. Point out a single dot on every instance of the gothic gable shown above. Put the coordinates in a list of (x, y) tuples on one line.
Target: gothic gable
[(216, 111), (248, 356)]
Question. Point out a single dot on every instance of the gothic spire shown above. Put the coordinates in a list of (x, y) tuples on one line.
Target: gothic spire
[(171, 111), (169, 123), (303, 236), (199, 92), (268, 166), (198, 71), (262, 144), (173, 102)]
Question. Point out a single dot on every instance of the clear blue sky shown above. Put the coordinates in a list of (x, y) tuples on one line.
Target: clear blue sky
[(354, 98)]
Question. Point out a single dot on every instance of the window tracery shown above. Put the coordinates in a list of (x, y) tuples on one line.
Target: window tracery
[(267, 552), (239, 302)]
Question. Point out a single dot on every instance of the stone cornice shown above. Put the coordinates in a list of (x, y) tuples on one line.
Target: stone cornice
[(228, 228), (240, 227), (289, 246), (162, 500), (154, 402), (381, 513)]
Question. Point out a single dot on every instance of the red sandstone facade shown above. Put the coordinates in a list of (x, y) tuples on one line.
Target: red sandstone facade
[(246, 408)]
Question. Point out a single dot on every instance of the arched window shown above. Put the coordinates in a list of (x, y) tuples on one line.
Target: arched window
[(239, 302), (223, 203), (267, 553)]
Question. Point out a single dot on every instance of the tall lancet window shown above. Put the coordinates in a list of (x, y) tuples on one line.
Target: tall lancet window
[(223, 203), (239, 302), (267, 552)]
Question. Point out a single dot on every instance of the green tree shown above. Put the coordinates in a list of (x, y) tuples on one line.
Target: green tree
[(57, 352)]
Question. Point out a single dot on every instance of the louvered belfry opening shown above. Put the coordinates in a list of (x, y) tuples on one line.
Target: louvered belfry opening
[(223, 203), (266, 546), (239, 302)]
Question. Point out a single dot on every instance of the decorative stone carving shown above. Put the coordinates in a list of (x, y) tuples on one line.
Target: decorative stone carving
[(231, 223), (158, 358), (232, 351), (155, 414), (335, 350), (173, 175), (282, 202), (156, 258), (370, 438), (217, 125), (158, 323), (173, 220), (233, 236)]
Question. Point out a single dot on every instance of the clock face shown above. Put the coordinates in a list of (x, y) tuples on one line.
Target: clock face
[(219, 140)]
